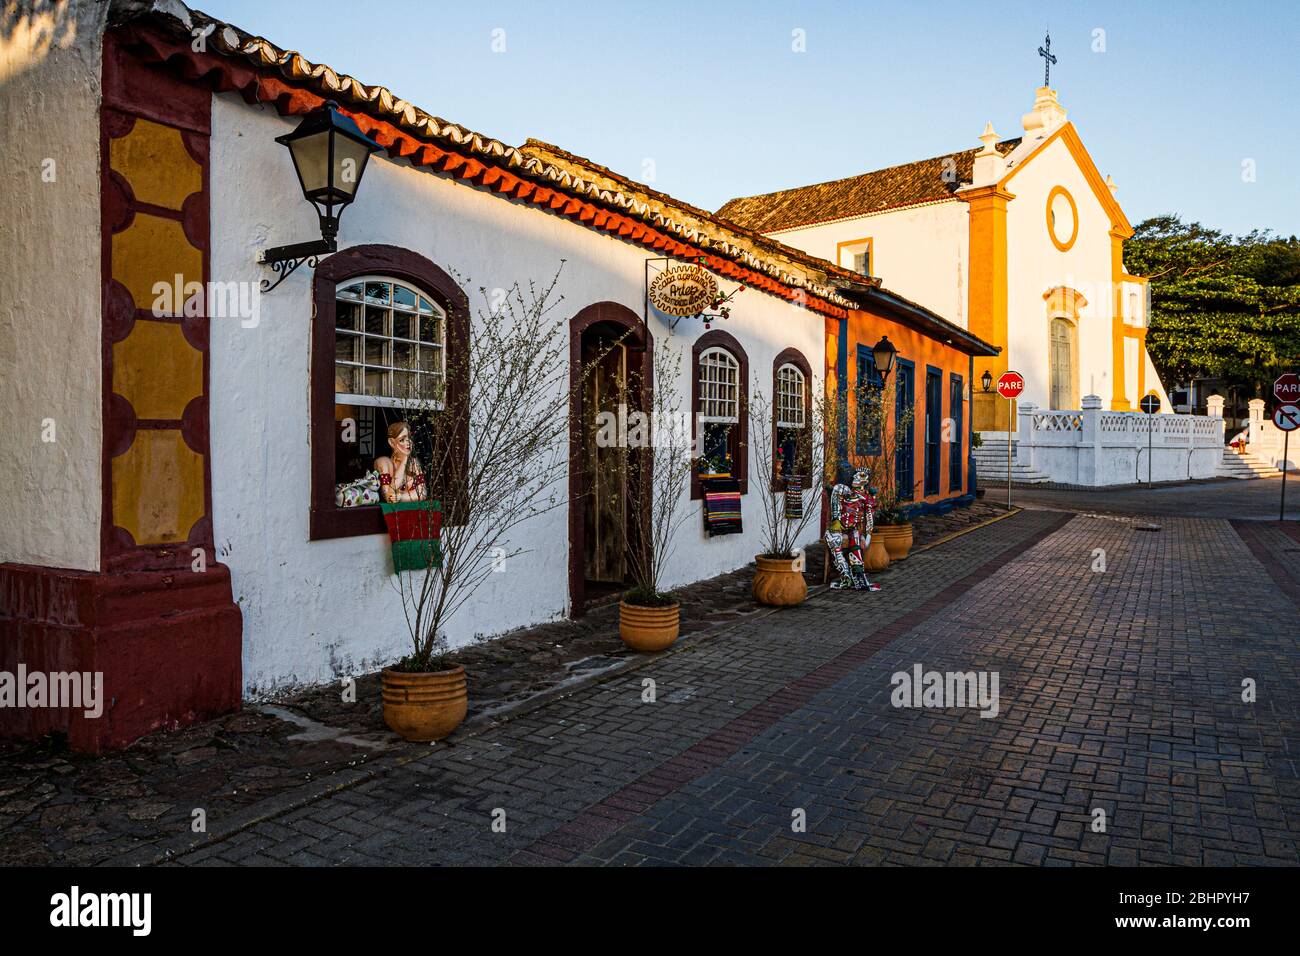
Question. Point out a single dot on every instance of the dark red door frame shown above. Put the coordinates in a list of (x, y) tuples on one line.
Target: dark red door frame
[(640, 342)]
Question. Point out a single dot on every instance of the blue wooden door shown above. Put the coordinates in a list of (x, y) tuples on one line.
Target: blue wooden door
[(933, 428), (905, 453), (955, 462)]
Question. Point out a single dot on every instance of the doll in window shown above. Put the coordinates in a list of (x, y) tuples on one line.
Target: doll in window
[(401, 478)]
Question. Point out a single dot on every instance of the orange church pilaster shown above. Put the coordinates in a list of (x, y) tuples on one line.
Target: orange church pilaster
[(988, 295), (1119, 388)]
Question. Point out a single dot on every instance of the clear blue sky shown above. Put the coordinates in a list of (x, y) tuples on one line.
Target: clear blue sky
[(713, 94)]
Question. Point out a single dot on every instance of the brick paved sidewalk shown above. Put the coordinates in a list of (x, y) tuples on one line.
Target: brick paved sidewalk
[(546, 767), (57, 807), (1120, 691)]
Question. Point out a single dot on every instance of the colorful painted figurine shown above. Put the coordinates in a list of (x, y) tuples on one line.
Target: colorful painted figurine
[(851, 521), (401, 478)]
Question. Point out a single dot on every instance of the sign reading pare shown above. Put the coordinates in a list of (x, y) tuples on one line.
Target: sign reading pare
[(683, 290), (1011, 384)]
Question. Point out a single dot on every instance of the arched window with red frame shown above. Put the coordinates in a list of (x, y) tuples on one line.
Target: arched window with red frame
[(388, 335), (720, 402), (792, 436)]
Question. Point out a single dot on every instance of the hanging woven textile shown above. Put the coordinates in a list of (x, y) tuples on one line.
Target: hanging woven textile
[(722, 506), (414, 528), (794, 498)]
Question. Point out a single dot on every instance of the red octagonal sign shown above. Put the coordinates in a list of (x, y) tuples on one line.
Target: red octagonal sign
[(1011, 384), (1287, 388)]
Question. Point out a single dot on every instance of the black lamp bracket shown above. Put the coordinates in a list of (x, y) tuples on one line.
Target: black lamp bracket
[(284, 260)]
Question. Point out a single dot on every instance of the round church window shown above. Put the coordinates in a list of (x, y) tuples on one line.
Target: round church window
[(1062, 218)]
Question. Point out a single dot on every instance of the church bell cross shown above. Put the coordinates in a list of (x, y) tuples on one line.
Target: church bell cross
[(1045, 52)]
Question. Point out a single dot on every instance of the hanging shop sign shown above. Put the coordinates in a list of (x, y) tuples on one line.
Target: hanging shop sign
[(683, 291)]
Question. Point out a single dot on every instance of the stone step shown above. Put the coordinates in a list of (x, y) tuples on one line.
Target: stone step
[(1244, 466), (996, 473), (991, 465)]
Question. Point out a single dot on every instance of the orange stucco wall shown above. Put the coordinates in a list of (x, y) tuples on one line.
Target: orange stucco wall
[(866, 328)]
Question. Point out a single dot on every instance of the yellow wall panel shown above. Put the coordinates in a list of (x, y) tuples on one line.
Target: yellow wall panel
[(153, 250), (158, 487), (153, 159), (156, 370)]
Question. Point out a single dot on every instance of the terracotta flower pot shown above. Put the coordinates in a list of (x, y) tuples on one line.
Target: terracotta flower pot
[(877, 557), (648, 628), (424, 707), (897, 539), (779, 582)]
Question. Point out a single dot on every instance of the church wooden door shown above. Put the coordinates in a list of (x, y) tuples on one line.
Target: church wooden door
[(1062, 359)]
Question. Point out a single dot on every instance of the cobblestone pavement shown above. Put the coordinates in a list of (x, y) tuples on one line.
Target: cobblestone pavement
[(1255, 499), (60, 807), (1120, 691)]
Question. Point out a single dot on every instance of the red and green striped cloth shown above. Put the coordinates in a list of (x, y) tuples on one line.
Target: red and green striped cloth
[(722, 506), (414, 528)]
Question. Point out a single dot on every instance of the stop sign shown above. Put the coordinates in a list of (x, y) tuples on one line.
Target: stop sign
[(1287, 388), (1011, 384)]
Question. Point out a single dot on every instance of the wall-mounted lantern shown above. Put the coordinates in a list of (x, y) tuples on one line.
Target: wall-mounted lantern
[(986, 381), (883, 352), (329, 154)]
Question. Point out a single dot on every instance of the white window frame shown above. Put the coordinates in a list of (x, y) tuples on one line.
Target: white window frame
[(714, 402), (389, 337), (787, 401)]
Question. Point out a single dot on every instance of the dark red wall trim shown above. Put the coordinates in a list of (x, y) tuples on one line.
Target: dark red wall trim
[(135, 89), (166, 643)]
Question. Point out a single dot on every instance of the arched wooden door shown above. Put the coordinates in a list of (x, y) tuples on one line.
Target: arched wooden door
[(605, 392), (610, 360), (1062, 364)]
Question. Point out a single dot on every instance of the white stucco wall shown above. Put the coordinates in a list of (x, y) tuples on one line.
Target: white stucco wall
[(314, 610), (921, 252), (50, 273), (1035, 265)]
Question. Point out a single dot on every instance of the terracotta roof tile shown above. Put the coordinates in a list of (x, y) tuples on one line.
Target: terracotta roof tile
[(537, 172), (790, 268), (894, 188)]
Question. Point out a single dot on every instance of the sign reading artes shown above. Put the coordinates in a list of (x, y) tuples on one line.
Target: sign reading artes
[(683, 291)]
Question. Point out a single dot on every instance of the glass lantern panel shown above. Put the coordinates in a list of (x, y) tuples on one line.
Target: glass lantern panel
[(311, 159), (349, 164)]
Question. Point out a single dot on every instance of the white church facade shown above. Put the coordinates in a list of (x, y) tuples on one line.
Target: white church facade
[(1020, 241)]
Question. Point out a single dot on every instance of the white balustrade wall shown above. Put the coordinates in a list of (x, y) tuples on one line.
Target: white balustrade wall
[(1095, 447)]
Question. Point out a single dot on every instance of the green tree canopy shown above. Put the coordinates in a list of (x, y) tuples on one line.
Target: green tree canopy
[(1221, 305)]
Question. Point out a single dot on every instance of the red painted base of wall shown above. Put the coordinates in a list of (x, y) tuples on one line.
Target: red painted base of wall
[(167, 643)]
